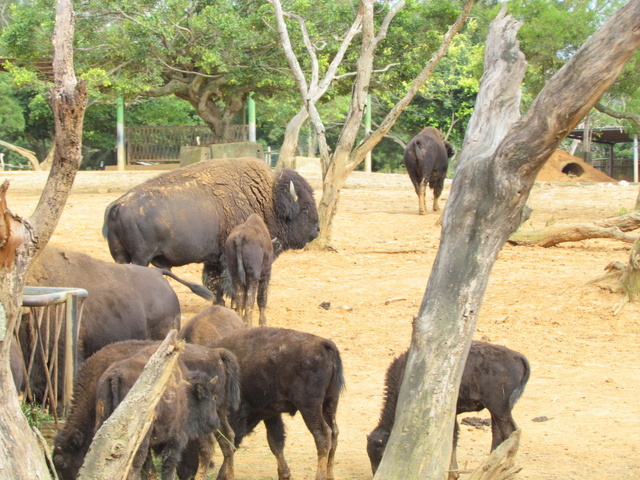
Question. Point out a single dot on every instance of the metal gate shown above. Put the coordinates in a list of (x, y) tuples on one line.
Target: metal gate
[(48, 343)]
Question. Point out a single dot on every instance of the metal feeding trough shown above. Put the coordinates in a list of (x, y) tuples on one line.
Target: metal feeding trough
[(52, 314)]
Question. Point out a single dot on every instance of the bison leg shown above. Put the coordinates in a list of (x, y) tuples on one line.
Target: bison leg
[(502, 425), (226, 439), (212, 280), (421, 189), (323, 437), (250, 301), (330, 418), (275, 437), (453, 465), (437, 185), (205, 456), (263, 290)]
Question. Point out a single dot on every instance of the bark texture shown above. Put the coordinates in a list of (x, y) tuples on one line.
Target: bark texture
[(499, 161), (116, 442), (21, 455), (614, 227)]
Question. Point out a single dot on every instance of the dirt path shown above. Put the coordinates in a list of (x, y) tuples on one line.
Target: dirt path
[(585, 375)]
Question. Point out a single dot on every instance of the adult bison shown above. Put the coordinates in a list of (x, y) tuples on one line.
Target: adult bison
[(494, 378), (185, 215), (124, 302), (427, 159)]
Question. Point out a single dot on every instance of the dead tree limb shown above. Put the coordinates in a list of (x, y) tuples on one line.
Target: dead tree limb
[(624, 278), (28, 154), (500, 465), (116, 443), (612, 227)]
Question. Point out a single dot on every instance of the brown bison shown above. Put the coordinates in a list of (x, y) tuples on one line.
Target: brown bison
[(186, 411), (124, 302), (249, 254), (72, 441), (285, 371), (185, 215), (494, 378), (427, 159), (210, 325)]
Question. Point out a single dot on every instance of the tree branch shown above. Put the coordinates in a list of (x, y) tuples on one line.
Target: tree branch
[(28, 154), (632, 117), (371, 140)]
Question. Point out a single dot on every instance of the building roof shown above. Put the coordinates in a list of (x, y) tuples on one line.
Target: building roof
[(608, 135)]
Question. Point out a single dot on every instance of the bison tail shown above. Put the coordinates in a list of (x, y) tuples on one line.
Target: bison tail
[(199, 290), (232, 371), (338, 374), (241, 271), (108, 213), (517, 392)]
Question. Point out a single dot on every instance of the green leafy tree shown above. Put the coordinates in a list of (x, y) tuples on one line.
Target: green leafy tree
[(211, 54)]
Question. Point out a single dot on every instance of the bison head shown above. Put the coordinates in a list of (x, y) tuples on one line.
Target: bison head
[(68, 454), (376, 444), (295, 210)]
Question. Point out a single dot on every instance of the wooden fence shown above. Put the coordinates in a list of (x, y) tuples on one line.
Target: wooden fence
[(162, 144)]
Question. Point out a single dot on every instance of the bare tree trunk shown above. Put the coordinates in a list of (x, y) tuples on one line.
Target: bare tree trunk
[(498, 164), (116, 442), (20, 452)]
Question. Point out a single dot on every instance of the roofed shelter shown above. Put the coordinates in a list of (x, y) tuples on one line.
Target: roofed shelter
[(609, 136)]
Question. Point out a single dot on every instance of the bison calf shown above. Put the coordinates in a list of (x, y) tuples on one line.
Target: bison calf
[(186, 411), (494, 378), (285, 371), (210, 325), (72, 441), (249, 254)]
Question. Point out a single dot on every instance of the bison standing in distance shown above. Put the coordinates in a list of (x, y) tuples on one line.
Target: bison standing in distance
[(427, 160), (185, 215), (494, 378)]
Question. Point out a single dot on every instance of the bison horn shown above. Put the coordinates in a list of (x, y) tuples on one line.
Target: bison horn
[(292, 190), (214, 380)]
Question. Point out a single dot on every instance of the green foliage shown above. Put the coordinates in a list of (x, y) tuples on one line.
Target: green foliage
[(553, 30), (35, 415), (11, 117)]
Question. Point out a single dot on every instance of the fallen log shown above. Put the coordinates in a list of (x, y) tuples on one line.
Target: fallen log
[(612, 227)]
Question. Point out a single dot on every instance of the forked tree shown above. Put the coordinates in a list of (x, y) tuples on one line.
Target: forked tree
[(500, 158), (22, 452)]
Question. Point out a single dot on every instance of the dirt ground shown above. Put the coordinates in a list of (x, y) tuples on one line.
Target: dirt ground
[(585, 376)]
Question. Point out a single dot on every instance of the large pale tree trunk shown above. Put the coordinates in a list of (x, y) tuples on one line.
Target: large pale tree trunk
[(498, 165), (21, 456)]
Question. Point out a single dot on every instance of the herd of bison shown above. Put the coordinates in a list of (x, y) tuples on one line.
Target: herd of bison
[(336, 320)]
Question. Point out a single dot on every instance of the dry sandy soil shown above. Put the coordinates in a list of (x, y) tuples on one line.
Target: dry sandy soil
[(585, 375)]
